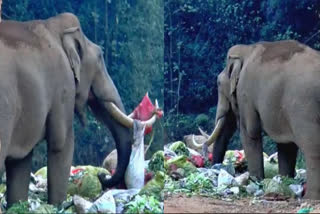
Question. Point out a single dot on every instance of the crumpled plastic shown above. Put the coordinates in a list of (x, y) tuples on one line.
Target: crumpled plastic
[(225, 179), (104, 204), (134, 175), (145, 110)]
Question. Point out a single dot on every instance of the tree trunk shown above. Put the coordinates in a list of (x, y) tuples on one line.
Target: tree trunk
[(0, 9)]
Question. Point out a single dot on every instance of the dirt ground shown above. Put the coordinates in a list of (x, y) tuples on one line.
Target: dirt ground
[(199, 204)]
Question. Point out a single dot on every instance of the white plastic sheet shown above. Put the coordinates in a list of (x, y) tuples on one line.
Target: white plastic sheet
[(134, 176)]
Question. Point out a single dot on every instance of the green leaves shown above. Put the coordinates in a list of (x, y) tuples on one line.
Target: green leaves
[(144, 204)]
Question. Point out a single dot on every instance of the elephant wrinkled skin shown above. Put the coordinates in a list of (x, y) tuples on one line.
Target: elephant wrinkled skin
[(272, 87), (48, 70)]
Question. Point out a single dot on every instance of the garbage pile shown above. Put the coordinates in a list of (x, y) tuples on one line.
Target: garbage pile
[(188, 172), (85, 194)]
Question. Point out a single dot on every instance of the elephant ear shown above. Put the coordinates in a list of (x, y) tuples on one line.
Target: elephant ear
[(234, 68), (73, 47)]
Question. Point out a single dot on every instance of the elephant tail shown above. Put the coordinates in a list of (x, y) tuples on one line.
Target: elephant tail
[(122, 163)]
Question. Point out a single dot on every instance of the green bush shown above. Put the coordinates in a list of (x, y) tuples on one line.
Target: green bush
[(202, 120)]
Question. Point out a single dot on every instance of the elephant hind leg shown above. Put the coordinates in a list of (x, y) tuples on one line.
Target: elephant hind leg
[(18, 178), (287, 156)]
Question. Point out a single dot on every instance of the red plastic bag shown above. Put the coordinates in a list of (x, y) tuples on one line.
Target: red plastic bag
[(145, 110)]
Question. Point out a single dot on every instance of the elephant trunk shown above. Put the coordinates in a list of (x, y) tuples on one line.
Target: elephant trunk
[(220, 147), (104, 92)]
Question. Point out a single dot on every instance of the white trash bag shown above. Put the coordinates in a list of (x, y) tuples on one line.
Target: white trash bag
[(134, 175)]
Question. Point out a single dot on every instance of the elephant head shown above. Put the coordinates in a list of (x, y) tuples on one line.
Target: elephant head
[(95, 88), (227, 108)]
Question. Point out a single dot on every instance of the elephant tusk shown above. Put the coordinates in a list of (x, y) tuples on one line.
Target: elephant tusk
[(126, 120), (203, 133), (194, 142), (215, 134)]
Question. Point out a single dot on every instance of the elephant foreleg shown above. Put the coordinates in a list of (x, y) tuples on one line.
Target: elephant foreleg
[(287, 155), (59, 164), (251, 139), (18, 178)]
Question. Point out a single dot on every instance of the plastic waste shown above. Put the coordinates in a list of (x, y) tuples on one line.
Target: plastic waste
[(228, 167), (104, 204), (45, 209), (81, 205), (121, 197), (252, 188), (301, 175), (297, 189), (134, 175), (235, 190), (225, 179), (259, 193), (242, 179)]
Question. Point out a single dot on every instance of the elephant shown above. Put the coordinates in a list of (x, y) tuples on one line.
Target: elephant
[(271, 87), (50, 72)]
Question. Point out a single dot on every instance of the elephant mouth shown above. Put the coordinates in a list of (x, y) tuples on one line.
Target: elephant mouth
[(127, 120), (214, 135), (119, 116)]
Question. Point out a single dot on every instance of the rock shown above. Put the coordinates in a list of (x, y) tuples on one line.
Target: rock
[(104, 204), (252, 188), (242, 179), (225, 179)]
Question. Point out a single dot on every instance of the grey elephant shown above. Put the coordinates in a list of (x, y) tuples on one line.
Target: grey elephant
[(272, 87), (48, 71)]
